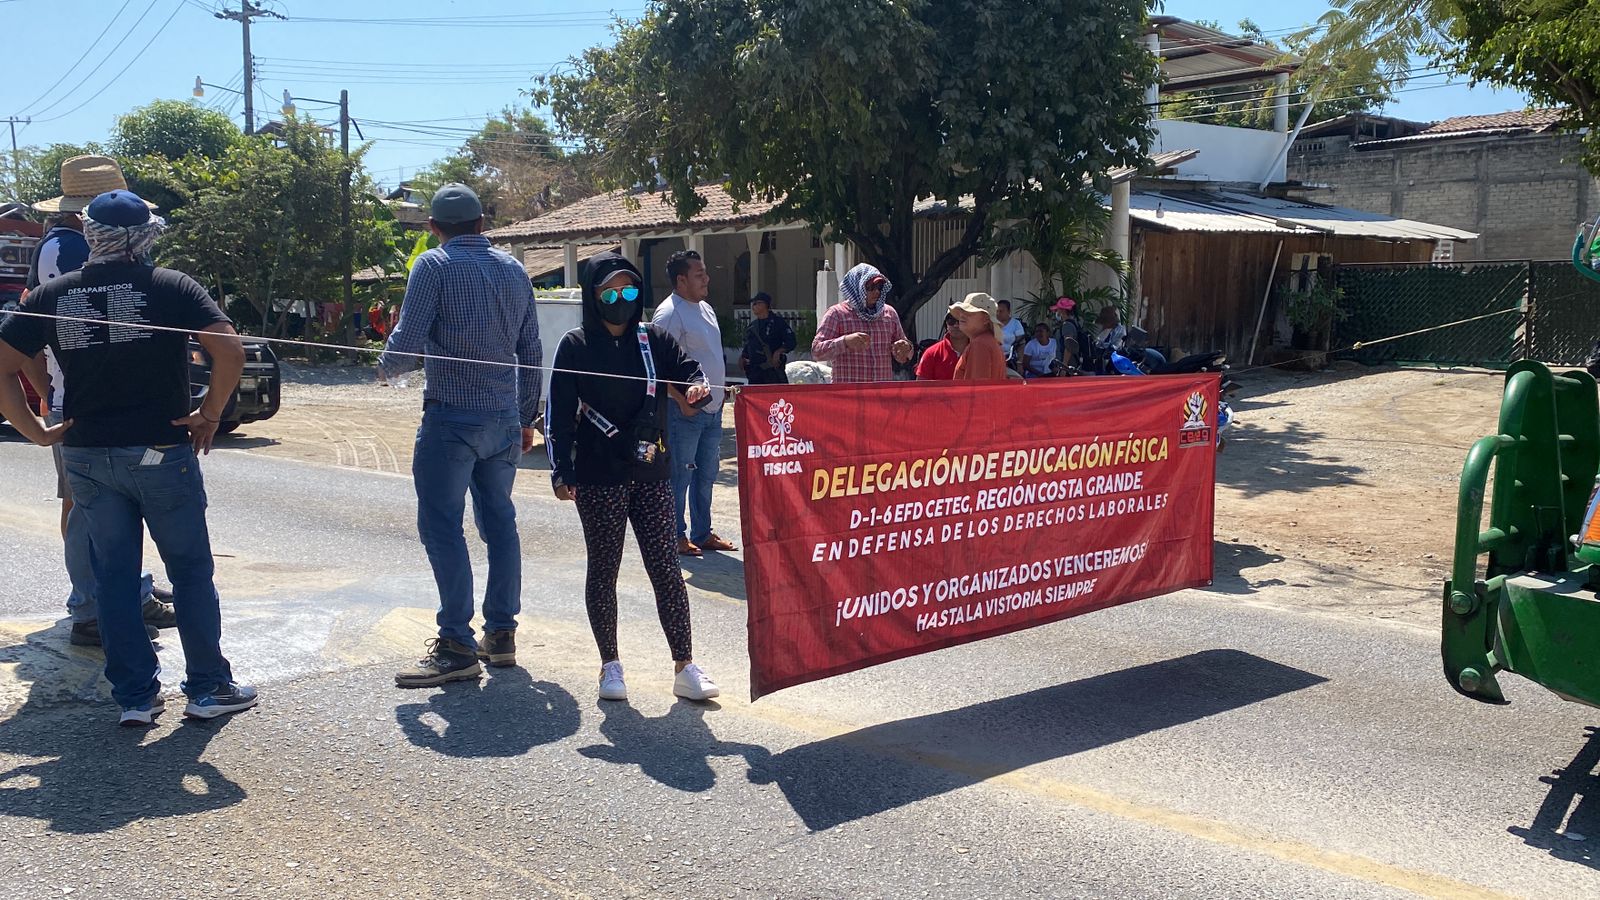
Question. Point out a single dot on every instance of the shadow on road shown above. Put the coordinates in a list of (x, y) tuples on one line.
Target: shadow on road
[(715, 573), (1571, 807), (1231, 562), (673, 749), (506, 714), (1260, 462), (864, 773), (88, 775)]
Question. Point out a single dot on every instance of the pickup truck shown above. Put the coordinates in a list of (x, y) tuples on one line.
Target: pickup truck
[(260, 386)]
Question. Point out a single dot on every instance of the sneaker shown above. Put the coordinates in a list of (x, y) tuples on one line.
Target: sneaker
[(158, 613), (611, 684), (498, 648), (721, 545), (229, 698), (145, 714), (87, 634), (447, 660), (694, 684)]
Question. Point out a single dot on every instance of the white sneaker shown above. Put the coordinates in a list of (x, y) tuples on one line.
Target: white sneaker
[(143, 715), (611, 685), (694, 684)]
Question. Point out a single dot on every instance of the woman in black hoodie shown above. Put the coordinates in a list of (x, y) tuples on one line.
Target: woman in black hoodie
[(608, 453)]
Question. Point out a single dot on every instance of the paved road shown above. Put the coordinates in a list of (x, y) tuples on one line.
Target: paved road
[(1219, 743)]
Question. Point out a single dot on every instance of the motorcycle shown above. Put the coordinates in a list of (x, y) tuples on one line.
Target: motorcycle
[(1139, 360)]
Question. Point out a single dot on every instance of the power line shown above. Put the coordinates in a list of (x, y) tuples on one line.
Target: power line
[(359, 65), (103, 60), (79, 61), (175, 10)]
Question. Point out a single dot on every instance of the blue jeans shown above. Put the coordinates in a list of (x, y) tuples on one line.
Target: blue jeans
[(118, 496), (695, 445), (81, 605), (461, 450)]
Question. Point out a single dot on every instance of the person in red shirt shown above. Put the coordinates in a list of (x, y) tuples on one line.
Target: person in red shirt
[(938, 362), (983, 360)]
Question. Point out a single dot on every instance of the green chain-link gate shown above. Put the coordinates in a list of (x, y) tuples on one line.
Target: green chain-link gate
[(1383, 301), (1543, 311)]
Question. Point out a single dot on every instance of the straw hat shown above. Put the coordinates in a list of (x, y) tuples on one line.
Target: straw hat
[(983, 303), (84, 178)]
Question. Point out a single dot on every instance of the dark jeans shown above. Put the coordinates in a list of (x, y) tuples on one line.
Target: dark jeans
[(118, 495), (460, 451)]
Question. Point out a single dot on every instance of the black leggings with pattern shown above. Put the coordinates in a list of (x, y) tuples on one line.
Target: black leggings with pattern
[(606, 511)]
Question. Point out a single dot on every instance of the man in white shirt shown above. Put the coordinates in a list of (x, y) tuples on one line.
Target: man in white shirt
[(694, 436), (1014, 331)]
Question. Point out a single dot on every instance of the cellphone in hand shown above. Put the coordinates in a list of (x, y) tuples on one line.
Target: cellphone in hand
[(702, 401)]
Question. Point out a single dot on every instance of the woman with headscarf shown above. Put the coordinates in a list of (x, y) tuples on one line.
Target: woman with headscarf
[(608, 454), (861, 335)]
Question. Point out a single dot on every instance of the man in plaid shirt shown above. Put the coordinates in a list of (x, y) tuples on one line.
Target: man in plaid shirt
[(467, 300), (861, 334)]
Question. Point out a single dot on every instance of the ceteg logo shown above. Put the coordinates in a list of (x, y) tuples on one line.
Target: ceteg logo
[(1194, 431)]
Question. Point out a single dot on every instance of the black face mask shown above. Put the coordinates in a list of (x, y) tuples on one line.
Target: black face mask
[(618, 313)]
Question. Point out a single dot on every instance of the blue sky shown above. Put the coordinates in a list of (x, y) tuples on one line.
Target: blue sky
[(410, 84)]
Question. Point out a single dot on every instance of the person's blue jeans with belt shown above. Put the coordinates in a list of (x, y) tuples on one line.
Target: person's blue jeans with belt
[(461, 451), (120, 491)]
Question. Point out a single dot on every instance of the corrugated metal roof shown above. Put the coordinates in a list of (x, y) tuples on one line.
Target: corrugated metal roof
[(1238, 212), (1523, 121), (1193, 55)]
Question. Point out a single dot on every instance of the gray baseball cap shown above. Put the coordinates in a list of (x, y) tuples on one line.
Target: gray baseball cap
[(456, 204)]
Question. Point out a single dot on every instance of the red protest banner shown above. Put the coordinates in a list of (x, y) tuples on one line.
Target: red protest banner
[(886, 520)]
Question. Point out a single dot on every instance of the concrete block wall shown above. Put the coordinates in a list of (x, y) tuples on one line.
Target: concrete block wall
[(1524, 194)]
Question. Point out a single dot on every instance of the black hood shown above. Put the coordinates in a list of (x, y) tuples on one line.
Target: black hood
[(595, 272)]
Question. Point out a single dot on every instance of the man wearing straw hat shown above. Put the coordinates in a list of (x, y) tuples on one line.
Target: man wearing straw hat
[(64, 249)]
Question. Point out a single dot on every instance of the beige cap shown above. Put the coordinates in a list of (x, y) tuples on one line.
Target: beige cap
[(983, 303), (84, 178)]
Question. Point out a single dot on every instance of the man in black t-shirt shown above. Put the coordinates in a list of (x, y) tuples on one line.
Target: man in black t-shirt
[(119, 329)]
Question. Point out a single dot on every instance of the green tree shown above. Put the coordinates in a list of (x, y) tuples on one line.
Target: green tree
[(1547, 48), (851, 113), (262, 221), (39, 176), (516, 165), (1344, 86), (173, 129)]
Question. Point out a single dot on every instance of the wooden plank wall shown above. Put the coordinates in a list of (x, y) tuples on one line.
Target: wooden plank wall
[(1202, 290)]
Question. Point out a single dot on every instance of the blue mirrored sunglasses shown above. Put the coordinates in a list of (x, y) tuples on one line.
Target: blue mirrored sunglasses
[(629, 293)]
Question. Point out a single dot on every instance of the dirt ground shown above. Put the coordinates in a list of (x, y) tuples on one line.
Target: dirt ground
[(1330, 479)]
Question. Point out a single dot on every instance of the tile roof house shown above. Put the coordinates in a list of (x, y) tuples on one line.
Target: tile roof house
[(1514, 178), (1202, 238)]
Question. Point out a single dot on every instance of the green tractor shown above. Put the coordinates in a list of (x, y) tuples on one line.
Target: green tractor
[(1534, 610)]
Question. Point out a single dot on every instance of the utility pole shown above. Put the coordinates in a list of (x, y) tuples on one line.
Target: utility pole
[(344, 217), (248, 11), (16, 157)]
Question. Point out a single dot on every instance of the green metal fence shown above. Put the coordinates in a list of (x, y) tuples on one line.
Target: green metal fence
[(1388, 300), (1563, 315), (1506, 311)]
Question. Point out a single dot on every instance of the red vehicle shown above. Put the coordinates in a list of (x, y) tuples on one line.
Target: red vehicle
[(18, 237)]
